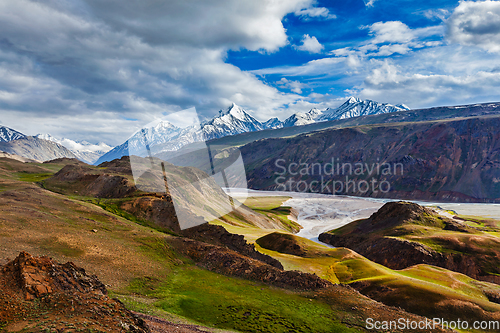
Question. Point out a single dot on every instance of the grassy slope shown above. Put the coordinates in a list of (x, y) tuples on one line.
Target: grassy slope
[(239, 304), (418, 289), (272, 208), (480, 242), (141, 268), (127, 257)]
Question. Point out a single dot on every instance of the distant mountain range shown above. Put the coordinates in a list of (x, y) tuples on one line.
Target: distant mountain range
[(353, 107), (35, 149), (44, 147), (83, 150), (164, 136)]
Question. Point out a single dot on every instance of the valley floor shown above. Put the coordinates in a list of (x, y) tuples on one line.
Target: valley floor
[(209, 275), (318, 213)]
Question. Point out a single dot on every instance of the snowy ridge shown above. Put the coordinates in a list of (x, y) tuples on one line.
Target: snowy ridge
[(83, 150), (273, 123), (299, 118), (354, 107), (163, 136), (8, 134)]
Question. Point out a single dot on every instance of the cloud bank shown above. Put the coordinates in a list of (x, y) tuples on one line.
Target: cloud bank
[(128, 62)]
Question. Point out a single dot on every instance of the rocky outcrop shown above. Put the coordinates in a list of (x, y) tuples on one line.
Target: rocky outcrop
[(399, 254), (65, 161), (224, 261), (433, 305), (121, 165), (110, 186), (159, 210), (37, 277), (217, 235), (60, 297)]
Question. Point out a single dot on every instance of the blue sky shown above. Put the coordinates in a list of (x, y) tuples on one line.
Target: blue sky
[(98, 70)]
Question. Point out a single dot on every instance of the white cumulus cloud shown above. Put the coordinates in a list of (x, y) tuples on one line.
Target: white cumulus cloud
[(113, 61), (476, 23), (315, 12), (310, 44)]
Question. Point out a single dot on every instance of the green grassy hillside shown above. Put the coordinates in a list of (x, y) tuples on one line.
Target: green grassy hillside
[(422, 289), (142, 266)]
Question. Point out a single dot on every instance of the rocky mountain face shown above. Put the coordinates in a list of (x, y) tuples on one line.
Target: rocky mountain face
[(354, 107), (403, 234), (83, 150), (38, 291), (15, 157), (8, 134), (421, 115), (36, 149), (456, 160)]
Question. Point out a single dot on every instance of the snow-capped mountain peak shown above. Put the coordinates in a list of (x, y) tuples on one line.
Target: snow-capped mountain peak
[(8, 134), (301, 118), (163, 137), (159, 131), (165, 125), (273, 123), (234, 111), (354, 107), (233, 121), (352, 100), (47, 137), (314, 112)]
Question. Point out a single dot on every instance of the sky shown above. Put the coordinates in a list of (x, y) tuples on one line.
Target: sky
[(98, 70)]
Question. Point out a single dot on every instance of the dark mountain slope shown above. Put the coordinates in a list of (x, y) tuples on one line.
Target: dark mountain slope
[(443, 160)]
